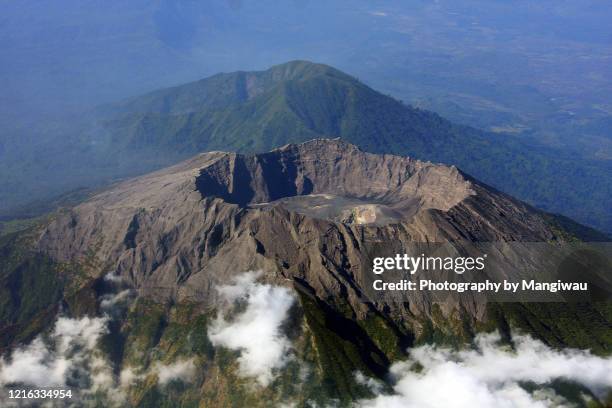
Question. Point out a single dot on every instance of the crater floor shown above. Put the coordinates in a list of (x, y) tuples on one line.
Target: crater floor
[(337, 208)]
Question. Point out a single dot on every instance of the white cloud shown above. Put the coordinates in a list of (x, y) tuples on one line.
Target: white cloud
[(112, 277), (255, 332), (180, 370), (101, 376), (69, 355), (183, 370), (128, 377), (489, 375), (85, 331), (39, 365), (109, 301), (374, 385)]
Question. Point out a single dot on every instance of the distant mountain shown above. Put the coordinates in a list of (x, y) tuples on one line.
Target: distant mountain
[(299, 100), (257, 111)]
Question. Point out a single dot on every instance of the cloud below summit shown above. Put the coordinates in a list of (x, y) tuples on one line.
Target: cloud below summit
[(256, 331), (37, 364), (491, 375)]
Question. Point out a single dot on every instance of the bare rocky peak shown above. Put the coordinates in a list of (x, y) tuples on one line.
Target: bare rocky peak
[(303, 213), (334, 169)]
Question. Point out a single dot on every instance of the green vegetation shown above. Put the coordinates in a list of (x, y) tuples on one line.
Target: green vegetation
[(152, 333), (576, 325), (586, 326), (333, 345), (31, 286), (571, 231), (455, 330), (16, 225), (341, 349)]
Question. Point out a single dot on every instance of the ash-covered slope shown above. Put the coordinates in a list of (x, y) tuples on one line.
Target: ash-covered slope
[(305, 214), (146, 257)]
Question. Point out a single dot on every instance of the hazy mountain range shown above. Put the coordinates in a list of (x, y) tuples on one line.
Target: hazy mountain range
[(297, 101)]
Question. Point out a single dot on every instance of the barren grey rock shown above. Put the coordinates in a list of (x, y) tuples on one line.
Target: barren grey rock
[(303, 213)]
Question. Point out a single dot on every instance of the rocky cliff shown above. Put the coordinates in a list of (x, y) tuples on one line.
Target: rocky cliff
[(303, 213)]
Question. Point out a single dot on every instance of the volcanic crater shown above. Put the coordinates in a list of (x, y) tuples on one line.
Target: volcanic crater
[(334, 181)]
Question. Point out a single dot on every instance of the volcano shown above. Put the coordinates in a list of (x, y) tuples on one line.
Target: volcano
[(309, 218), (308, 213)]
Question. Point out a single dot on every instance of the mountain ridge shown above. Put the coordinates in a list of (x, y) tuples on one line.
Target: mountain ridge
[(299, 101), (246, 84)]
